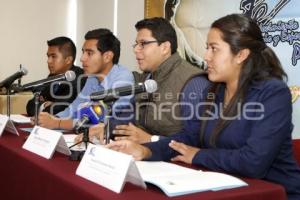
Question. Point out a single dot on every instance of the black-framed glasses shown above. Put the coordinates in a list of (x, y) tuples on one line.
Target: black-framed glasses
[(142, 44)]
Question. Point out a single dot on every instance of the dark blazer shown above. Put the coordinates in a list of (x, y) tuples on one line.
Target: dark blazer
[(64, 93), (257, 143)]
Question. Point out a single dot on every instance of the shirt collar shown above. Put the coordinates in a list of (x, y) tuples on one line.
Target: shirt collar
[(108, 78)]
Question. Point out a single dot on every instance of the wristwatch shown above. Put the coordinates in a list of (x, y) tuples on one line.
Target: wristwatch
[(154, 138)]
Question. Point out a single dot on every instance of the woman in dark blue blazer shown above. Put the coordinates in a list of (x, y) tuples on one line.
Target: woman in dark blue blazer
[(245, 125)]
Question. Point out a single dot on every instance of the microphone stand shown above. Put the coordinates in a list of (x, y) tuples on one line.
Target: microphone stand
[(108, 117), (77, 155), (36, 107), (8, 92), (85, 137), (8, 98)]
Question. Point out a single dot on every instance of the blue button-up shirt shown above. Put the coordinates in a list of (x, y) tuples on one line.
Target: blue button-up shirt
[(117, 77)]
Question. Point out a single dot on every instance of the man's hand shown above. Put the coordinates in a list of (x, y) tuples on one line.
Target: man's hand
[(48, 121), (139, 152), (187, 152), (131, 132)]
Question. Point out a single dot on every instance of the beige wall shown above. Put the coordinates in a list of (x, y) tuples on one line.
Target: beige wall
[(18, 103), (92, 14), (26, 25), (129, 14)]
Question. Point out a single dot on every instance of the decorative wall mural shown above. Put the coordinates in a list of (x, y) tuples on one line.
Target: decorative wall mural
[(278, 19)]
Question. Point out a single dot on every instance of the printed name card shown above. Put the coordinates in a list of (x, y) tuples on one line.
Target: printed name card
[(7, 124), (43, 142), (109, 168)]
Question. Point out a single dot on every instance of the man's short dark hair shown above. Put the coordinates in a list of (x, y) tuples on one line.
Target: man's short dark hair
[(65, 45), (106, 42), (161, 30)]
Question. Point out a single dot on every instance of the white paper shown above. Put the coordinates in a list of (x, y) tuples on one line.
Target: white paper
[(176, 180), (20, 119), (30, 129), (70, 140)]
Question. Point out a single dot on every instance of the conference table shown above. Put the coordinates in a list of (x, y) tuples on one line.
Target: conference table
[(24, 175)]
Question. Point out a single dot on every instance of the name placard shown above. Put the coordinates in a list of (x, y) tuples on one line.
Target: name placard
[(43, 142), (109, 168), (7, 124)]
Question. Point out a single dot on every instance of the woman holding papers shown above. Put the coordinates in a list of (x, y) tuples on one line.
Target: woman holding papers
[(246, 123)]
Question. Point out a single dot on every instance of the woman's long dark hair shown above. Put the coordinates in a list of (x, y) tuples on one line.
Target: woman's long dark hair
[(241, 32)]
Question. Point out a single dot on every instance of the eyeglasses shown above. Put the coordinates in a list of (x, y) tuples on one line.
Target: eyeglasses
[(142, 44)]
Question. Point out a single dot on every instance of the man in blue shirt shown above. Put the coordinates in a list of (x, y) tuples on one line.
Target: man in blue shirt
[(100, 56)]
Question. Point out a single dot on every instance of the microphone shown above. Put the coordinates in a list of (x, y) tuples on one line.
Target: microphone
[(69, 76), (9, 80), (149, 86), (90, 113)]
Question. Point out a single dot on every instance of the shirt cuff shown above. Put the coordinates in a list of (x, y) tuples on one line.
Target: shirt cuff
[(42, 107), (203, 156)]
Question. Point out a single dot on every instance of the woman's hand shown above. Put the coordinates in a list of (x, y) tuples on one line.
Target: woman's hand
[(187, 152)]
